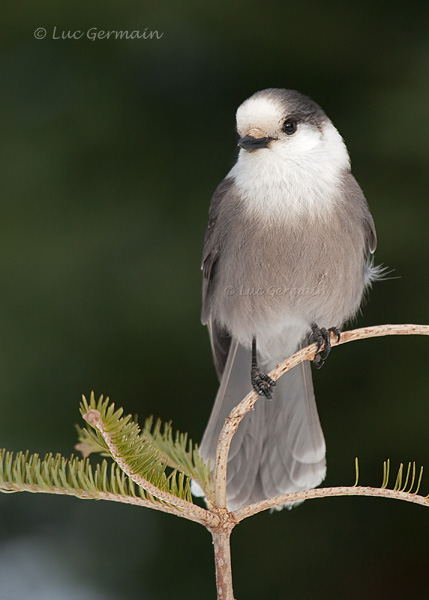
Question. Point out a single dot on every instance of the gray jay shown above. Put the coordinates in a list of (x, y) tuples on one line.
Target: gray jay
[(286, 260)]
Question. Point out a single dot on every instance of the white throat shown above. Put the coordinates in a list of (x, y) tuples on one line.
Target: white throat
[(300, 176)]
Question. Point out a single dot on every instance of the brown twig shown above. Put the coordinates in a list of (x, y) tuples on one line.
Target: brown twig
[(236, 415), (253, 509)]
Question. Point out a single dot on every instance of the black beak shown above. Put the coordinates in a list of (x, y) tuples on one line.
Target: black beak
[(250, 143)]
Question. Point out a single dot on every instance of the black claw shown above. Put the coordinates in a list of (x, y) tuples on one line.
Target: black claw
[(318, 362), (322, 337), (263, 384), (336, 332)]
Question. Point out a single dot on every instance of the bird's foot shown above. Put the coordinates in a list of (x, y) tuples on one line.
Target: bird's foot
[(322, 337), (262, 384)]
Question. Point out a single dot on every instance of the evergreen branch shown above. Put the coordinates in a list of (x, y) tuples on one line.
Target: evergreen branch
[(238, 412), (136, 448), (137, 460), (398, 492), (252, 509), (155, 448), (141, 462), (24, 472)]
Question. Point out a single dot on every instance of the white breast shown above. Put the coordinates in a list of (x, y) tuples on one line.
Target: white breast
[(300, 175)]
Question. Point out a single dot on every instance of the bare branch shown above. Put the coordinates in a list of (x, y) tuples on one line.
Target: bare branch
[(308, 353), (222, 552), (278, 501), (186, 509)]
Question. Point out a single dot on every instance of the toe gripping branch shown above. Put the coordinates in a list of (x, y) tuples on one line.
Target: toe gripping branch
[(261, 383), (322, 337)]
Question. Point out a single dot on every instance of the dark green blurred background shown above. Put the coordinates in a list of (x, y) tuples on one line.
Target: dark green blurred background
[(110, 151)]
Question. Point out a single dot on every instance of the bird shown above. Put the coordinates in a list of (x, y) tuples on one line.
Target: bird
[(287, 259)]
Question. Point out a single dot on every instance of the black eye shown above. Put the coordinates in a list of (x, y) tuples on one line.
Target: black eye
[(289, 126)]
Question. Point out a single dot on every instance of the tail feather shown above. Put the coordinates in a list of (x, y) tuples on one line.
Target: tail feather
[(279, 446)]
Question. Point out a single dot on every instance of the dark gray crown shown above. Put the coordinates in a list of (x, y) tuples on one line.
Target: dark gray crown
[(294, 104)]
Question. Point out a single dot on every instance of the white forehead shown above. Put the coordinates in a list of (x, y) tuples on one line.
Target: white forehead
[(260, 113)]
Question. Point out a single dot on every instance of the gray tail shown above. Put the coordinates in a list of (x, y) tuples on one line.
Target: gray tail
[(279, 446)]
